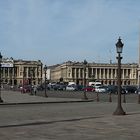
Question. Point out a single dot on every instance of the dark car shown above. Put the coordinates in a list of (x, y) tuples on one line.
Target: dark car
[(55, 86), (79, 87), (58, 86), (61, 87), (114, 89), (130, 89), (138, 90)]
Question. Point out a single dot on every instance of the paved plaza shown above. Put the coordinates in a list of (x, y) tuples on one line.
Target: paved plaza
[(69, 120), (14, 97)]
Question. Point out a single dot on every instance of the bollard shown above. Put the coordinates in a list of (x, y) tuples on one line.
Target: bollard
[(138, 98), (124, 99), (97, 96), (110, 99)]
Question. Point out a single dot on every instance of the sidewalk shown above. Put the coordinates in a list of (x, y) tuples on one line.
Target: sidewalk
[(14, 97)]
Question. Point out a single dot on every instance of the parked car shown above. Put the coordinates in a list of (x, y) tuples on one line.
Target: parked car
[(55, 86), (79, 87), (114, 89), (71, 87), (138, 90), (130, 89), (101, 89), (61, 87), (89, 88), (40, 87)]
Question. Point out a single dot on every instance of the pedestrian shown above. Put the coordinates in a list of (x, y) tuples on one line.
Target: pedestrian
[(35, 89)]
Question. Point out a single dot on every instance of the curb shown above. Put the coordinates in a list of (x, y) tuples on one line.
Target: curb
[(53, 102)]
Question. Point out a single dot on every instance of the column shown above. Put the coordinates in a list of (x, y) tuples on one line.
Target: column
[(99, 73), (75, 76), (96, 73), (79, 74), (86, 72), (104, 74), (107, 74)]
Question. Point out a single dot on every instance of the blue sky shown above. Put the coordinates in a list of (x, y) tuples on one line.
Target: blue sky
[(55, 31)]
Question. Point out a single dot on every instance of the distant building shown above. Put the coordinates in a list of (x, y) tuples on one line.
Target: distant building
[(16, 72), (103, 72)]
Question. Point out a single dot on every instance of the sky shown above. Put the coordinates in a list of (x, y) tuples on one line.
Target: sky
[(56, 31)]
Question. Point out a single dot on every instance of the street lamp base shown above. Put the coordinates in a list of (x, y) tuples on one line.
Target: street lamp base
[(110, 99), (119, 111), (1, 101)]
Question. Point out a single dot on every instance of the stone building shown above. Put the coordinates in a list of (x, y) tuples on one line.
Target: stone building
[(16, 72), (103, 72)]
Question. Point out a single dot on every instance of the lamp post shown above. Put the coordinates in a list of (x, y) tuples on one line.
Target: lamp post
[(139, 91), (110, 99), (85, 65), (124, 99), (138, 97), (97, 99), (31, 80), (45, 69), (119, 109), (23, 81), (0, 77)]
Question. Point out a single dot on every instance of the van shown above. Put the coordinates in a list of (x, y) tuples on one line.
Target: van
[(71, 83), (95, 84)]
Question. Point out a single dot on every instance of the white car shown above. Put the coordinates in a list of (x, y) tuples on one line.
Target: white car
[(71, 87), (101, 89)]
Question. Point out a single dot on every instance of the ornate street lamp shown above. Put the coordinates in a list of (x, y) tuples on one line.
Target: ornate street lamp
[(119, 47), (0, 77), (45, 69), (138, 91), (85, 65)]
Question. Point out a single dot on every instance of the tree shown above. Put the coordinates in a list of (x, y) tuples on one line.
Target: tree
[(61, 79)]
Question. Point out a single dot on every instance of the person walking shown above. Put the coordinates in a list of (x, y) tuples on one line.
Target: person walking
[(35, 89)]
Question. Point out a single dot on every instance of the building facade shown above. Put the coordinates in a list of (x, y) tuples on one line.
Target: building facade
[(105, 73), (17, 72)]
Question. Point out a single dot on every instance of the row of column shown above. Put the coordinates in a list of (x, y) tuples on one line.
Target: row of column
[(100, 73), (7, 72), (12, 74)]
